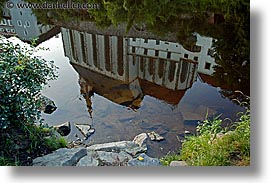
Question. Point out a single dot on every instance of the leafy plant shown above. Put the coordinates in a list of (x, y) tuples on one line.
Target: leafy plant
[(22, 77)]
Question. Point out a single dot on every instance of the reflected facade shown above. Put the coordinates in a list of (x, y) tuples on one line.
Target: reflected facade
[(24, 24), (125, 69)]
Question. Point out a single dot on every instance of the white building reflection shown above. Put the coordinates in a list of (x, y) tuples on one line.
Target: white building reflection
[(143, 65), (24, 24)]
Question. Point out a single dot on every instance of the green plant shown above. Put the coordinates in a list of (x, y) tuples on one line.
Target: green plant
[(23, 76), (214, 146)]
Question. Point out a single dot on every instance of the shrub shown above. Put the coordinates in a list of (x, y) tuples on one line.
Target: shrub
[(22, 77)]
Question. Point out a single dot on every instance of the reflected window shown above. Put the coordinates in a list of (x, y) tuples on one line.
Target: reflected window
[(133, 49), (207, 66), (19, 23), (145, 51), (134, 39), (27, 23), (196, 58), (184, 71), (157, 42), (156, 53), (3, 22), (145, 40), (168, 54), (185, 55)]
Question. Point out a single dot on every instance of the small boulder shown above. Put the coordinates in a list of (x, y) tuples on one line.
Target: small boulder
[(85, 129), (154, 136), (61, 157), (141, 139), (178, 163), (144, 160)]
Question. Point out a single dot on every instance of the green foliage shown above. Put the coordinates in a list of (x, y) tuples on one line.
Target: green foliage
[(213, 146), (23, 76)]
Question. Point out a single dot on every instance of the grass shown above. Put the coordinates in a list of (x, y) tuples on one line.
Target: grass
[(21, 148), (214, 146)]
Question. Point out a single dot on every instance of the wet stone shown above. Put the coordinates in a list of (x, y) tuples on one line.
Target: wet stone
[(63, 129), (86, 130), (141, 139), (48, 106), (154, 136)]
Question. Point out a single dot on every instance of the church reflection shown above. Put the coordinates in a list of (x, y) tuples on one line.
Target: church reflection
[(124, 69)]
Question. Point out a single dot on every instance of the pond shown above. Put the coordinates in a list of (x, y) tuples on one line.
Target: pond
[(124, 81)]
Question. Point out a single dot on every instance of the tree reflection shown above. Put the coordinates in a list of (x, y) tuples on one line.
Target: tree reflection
[(225, 20)]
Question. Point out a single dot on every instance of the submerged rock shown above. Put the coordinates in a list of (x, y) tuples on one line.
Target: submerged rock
[(63, 129), (48, 106)]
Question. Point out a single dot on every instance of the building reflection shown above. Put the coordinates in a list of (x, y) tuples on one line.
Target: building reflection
[(124, 69), (24, 24)]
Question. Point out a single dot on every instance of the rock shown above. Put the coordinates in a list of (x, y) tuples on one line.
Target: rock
[(61, 157), (141, 140), (126, 146), (144, 160), (48, 106), (113, 159), (85, 129), (63, 129), (49, 109), (187, 132), (103, 158), (178, 163), (89, 160), (154, 136)]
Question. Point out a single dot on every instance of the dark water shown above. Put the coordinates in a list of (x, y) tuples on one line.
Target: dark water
[(126, 83), (169, 117)]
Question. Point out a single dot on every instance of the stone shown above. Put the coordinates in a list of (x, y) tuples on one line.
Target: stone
[(154, 136), (178, 163), (126, 146), (48, 106), (103, 158), (85, 129), (61, 157), (63, 129), (187, 132), (113, 159), (89, 160), (144, 160), (141, 139)]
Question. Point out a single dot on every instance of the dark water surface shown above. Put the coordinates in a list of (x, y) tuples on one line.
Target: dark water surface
[(114, 122)]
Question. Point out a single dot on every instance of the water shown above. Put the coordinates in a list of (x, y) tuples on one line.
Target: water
[(169, 117), (123, 84)]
